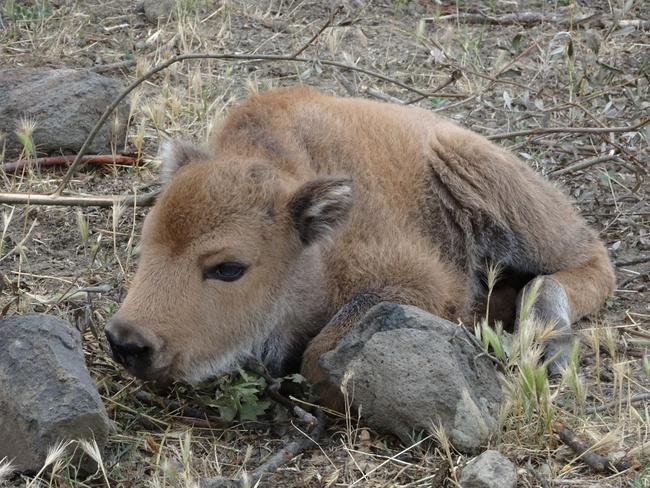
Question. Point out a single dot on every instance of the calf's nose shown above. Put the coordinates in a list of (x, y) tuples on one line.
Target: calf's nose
[(130, 348)]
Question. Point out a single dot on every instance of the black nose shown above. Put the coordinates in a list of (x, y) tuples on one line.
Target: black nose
[(129, 348)]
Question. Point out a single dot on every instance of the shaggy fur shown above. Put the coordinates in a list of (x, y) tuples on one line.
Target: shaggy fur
[(331, 205)]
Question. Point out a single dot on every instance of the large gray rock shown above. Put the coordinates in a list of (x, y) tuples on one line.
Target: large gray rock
[(65, 105), (412, 370), (46, 393), (489, 470)]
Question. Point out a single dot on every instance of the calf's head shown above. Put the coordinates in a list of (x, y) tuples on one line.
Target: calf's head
[(230, 262)]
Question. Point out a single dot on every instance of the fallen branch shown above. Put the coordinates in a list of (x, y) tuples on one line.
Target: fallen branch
[(383, 96), (591, 458), (58, 160), (586, 163), (455, 76), (568, 130), (141, 200), (629, 280), (631, 262), (289, 451), (519, 18), (624, 401), (148, 399)]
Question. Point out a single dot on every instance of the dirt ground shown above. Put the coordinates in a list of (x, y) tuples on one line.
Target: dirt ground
[(575, 65)]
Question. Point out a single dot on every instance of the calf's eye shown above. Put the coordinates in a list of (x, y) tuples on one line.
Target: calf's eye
[(224, 272)]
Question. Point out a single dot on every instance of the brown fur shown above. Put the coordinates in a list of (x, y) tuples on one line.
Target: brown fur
[(334, 205)]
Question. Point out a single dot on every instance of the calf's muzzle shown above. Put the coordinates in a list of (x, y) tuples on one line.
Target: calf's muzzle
[(131, 348)]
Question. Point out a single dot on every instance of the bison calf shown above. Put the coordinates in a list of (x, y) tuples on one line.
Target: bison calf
[(305, 210)]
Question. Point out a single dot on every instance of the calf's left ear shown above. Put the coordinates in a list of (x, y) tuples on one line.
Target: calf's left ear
[(176, 153), (320, 206)]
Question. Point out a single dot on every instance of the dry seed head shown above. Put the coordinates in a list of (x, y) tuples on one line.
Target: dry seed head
[(609, 342), (141, 67), (493, 272), (27, 126), (196, 81), (82, 224), (115, 123), (6, 469), (140, 135)]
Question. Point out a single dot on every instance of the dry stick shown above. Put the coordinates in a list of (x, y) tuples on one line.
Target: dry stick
[(140, 200), (629, 280), (284, 455), (605, 140), (573, 130), (347, 84), (241, 57), (631, 262), (334, 13), (624, 401), (455, 76), (383, 96), (515, 18), (586, 163), (57, 160), (300, 412), (591, 458), (169, 404)]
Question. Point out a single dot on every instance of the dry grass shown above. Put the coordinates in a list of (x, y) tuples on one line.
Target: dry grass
[(77, 263)]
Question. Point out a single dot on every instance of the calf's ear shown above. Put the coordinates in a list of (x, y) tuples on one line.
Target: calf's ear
[(320, 206), (176, 153)]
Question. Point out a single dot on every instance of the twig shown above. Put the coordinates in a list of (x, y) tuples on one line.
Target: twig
[(514, 18), (283, 456), (585, 163), (633, 261), (570, 130), (629, 280), (384, 97), (591, 458), (141, 200), (300, 412), (347, 84), (169, 404), (455, 76), (334, 13), (241, 57), (624, 401), (57, 160), (272, 392)]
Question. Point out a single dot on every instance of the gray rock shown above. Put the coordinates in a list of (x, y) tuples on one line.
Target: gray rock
[(489, 470), (46, 393), (65, 104), (412, 370), (159, 10)]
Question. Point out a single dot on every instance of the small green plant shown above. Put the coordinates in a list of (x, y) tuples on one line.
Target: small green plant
[(238, 397), (19, 11), (575, 382), (25, 130), (399, 4)]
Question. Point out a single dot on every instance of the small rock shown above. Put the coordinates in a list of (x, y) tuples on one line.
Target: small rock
[(489, 470), (65, 105), (46, 393), (412, 371), (159, 10)]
